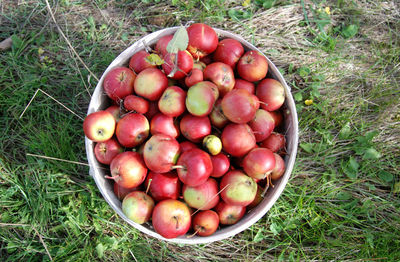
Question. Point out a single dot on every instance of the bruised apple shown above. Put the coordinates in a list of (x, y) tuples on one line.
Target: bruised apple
[(138, 206), (237, 188), (221, 75), (200, 98), (202, 197), (172, 101)]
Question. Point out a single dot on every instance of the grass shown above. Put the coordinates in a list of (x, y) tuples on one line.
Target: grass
[(342, 200)]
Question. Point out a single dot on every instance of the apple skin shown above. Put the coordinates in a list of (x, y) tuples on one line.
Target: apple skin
[(195, 76), (199, 65), (259, 163), (205, 223), (121, 192), (252, 66), (195, 128), (228, 52), (203, 40), (257, 200), (221, 75), (262, 124), (171, 218), (115, 111), (239, 106), (172, 101), (278, 118), (138, 62), (185, 64), (118, 83), (238, 139), (275, 142), (107, 150), (160, 153), (229, 214), (153, 110), (132, 130), (186, 145), (150, 83), (200, 98), (243, 84), (279, 168), (99, 126), (271, 93), (163, 185), (202, 197), (136, 103), (128, 169), (217, 117), (162, 124), (194, 167), (138, 207), (240, 189), (162, 43), (221, 165)]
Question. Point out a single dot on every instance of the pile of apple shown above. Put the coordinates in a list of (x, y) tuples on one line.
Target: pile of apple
[(193, 136)]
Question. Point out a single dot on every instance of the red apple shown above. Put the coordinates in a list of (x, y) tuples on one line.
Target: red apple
[(243, 84), (138, 62), (128, 169), (271, 93), (121, 192), (221, 75), (239, 106), (195, 128), (217, 117), (200, 98), (259, 163), (205, 223), (184, 63), (160, 153), (163, 186), (202, 197), (279, 169), (138, 207), (172, 101), (257, 200), (202, 40), (153, 110), (132, 130), (99, 126), (107, 150), (221, 165), (278, 118), (162, 124), (229, 52), (115, 111), (136, 103), (194, 167), (275, 142), (150, 83), (162, 43), (238, 139), (118, 83), (262, 124), (195, 76), (237, 188), (252, 66), (186, 145), (229, 214), (171, 218)]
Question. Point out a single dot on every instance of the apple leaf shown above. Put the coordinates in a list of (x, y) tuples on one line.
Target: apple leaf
[(180, 41), (155, 59)]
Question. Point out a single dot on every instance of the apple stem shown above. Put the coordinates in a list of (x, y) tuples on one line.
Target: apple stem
[(177, 222), (269, 182), (148, 185), (111, 177), (219, 192), (192, 235), (263, 103)]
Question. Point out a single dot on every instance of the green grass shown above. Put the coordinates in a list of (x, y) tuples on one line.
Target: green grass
[(342, 200)]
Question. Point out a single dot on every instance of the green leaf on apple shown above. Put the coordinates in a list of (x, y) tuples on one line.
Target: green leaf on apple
[(179, 42), (155, 59)]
